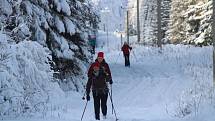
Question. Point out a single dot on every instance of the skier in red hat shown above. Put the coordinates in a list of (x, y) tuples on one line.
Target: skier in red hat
[(98, 76)]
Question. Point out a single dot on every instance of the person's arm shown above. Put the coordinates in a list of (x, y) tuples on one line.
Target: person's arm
[(130, 47), (90, 71), (88, 87), (109, 76), (122, 48), (89, 82)]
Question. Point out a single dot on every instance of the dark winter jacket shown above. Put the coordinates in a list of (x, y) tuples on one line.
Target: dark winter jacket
[(98, 82), (125, 48)]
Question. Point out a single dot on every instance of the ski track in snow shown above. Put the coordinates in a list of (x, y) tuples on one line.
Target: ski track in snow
[(134, 85)]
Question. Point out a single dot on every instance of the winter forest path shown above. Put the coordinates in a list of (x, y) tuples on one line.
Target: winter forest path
[(152, 86), (142, 91)]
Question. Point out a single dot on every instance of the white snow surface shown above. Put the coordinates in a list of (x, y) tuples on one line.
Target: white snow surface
[(172, 84), (59, 25), (65, 7), (160, 85), (70, 27), (5, 7)]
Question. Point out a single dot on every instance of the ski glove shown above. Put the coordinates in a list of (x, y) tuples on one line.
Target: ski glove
[(88, 97)]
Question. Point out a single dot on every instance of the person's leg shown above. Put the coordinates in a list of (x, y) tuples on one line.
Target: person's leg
[(125, 60), (94, 49), (97, 106), (128, 60), (104, 103)]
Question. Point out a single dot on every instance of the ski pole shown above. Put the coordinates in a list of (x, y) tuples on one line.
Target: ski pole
[(134, 55), (113, 106), (117, 57), (83, 98), (111, 96), (84, 111)]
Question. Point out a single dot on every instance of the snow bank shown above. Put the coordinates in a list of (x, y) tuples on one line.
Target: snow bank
[(26, 83)]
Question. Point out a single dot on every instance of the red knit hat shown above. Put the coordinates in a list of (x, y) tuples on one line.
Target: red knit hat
[(101, 54)]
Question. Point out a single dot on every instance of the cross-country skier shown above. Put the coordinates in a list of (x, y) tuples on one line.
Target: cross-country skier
[(126, 52), (98, 76)]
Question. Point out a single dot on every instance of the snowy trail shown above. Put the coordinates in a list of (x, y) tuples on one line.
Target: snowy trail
[(154, 81), (132, 89), (146, 90), (141, 92), (136, 94)]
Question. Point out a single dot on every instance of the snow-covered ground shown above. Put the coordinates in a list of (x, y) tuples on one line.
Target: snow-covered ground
[(159, 86), (172, 84)]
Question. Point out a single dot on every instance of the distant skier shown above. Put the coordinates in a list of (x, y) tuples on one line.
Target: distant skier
[(98, 76), (92, 43), (126, 52)]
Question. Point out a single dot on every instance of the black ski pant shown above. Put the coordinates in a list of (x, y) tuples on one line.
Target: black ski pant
[(93, 49), (127, 60), (100, 100)]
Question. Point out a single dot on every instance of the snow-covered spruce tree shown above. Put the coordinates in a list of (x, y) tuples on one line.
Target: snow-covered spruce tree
[(199, 22), (191, 22), (177, 21), (60, 25), (165, 17), (148, 21), (40, 33)]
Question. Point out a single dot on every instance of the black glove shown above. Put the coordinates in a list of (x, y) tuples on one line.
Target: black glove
[(111, 81), (88, 97)]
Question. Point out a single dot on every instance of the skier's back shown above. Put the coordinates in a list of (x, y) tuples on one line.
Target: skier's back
[(126, 52)]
